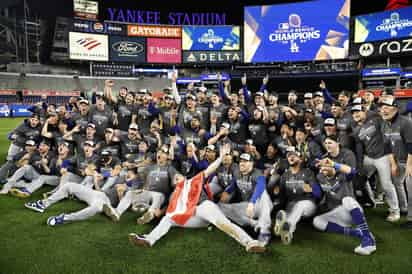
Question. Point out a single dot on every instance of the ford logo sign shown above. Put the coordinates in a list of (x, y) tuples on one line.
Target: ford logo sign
[(127, 47)]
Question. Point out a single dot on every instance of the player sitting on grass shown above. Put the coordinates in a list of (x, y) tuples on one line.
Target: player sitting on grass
[(299, 191), (190, 207), (339, 207)]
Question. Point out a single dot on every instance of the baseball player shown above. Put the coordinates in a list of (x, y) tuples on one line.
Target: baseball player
[(398, 130), (39, 163), (197, 212), (300, 192), (20, 159), (93, 198), (157, 188), (255, 206), (339, 209), (29, 129), (370, 151)]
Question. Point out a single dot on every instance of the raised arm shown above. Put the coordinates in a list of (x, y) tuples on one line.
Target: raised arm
[(225, 149)]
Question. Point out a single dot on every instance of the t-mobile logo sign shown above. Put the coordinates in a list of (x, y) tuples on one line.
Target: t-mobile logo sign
[(162, 50)]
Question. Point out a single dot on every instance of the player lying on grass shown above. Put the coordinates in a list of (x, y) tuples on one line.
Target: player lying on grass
[(94, 198), (190, 207)]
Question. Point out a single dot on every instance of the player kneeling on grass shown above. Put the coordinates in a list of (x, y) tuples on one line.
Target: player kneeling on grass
[(299, 191), (189, 207), (340, 208), (256, 205)]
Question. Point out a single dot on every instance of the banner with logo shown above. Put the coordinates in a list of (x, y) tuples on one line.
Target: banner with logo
[(99, 27), (86, 9), (20, 110), (305, 31), (154, 31), (86, 46), (161, 50), (211, 38), (383, 25), (212, 57), (381, 72), (396, 47), (127, 49)]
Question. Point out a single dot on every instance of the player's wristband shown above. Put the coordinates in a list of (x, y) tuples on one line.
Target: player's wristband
[(337, 166)]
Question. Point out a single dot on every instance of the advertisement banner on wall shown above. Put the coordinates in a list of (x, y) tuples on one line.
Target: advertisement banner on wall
[(211, 38), (385, 25), (304, 31), (161, 50), (20, 110), (87, 46), (86, 9), (212, 57), (98, 27), (381, 72), (398, 47), (128, 49), (154, 31)]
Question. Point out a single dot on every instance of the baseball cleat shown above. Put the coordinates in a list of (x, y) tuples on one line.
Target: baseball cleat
[(139, 208), (111, 212), (255, 247), (139, 240), (36, 206), (20, 193), (393, 217), (367, 246), (56, 220), (264, 238), (285, 234), (146, 218), (4, 191), (280, 220)]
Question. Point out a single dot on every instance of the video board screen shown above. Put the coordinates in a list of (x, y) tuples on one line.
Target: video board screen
[(385, 25), (306, 31)]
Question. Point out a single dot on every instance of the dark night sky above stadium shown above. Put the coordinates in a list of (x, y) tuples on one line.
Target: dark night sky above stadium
[(232, 8)]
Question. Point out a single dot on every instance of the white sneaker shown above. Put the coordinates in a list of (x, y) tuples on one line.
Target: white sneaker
[(393, 217), (111, 212), (365, 251), (255, 247), (4, 191), (367, 246)]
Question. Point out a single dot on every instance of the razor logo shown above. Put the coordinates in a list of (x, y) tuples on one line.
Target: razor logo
[(394, 47)]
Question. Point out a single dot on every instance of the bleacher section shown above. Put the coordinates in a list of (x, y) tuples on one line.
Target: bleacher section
[(61, 87)]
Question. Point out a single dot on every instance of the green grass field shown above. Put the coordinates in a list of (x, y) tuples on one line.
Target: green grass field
[(28, 245)]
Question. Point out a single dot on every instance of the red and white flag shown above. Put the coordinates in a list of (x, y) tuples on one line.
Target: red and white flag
[(183, 202)]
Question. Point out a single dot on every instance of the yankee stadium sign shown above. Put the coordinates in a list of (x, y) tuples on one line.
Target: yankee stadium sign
[(171, 18)]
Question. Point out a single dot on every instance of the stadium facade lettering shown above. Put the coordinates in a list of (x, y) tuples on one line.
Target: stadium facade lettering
[(172, 18)]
